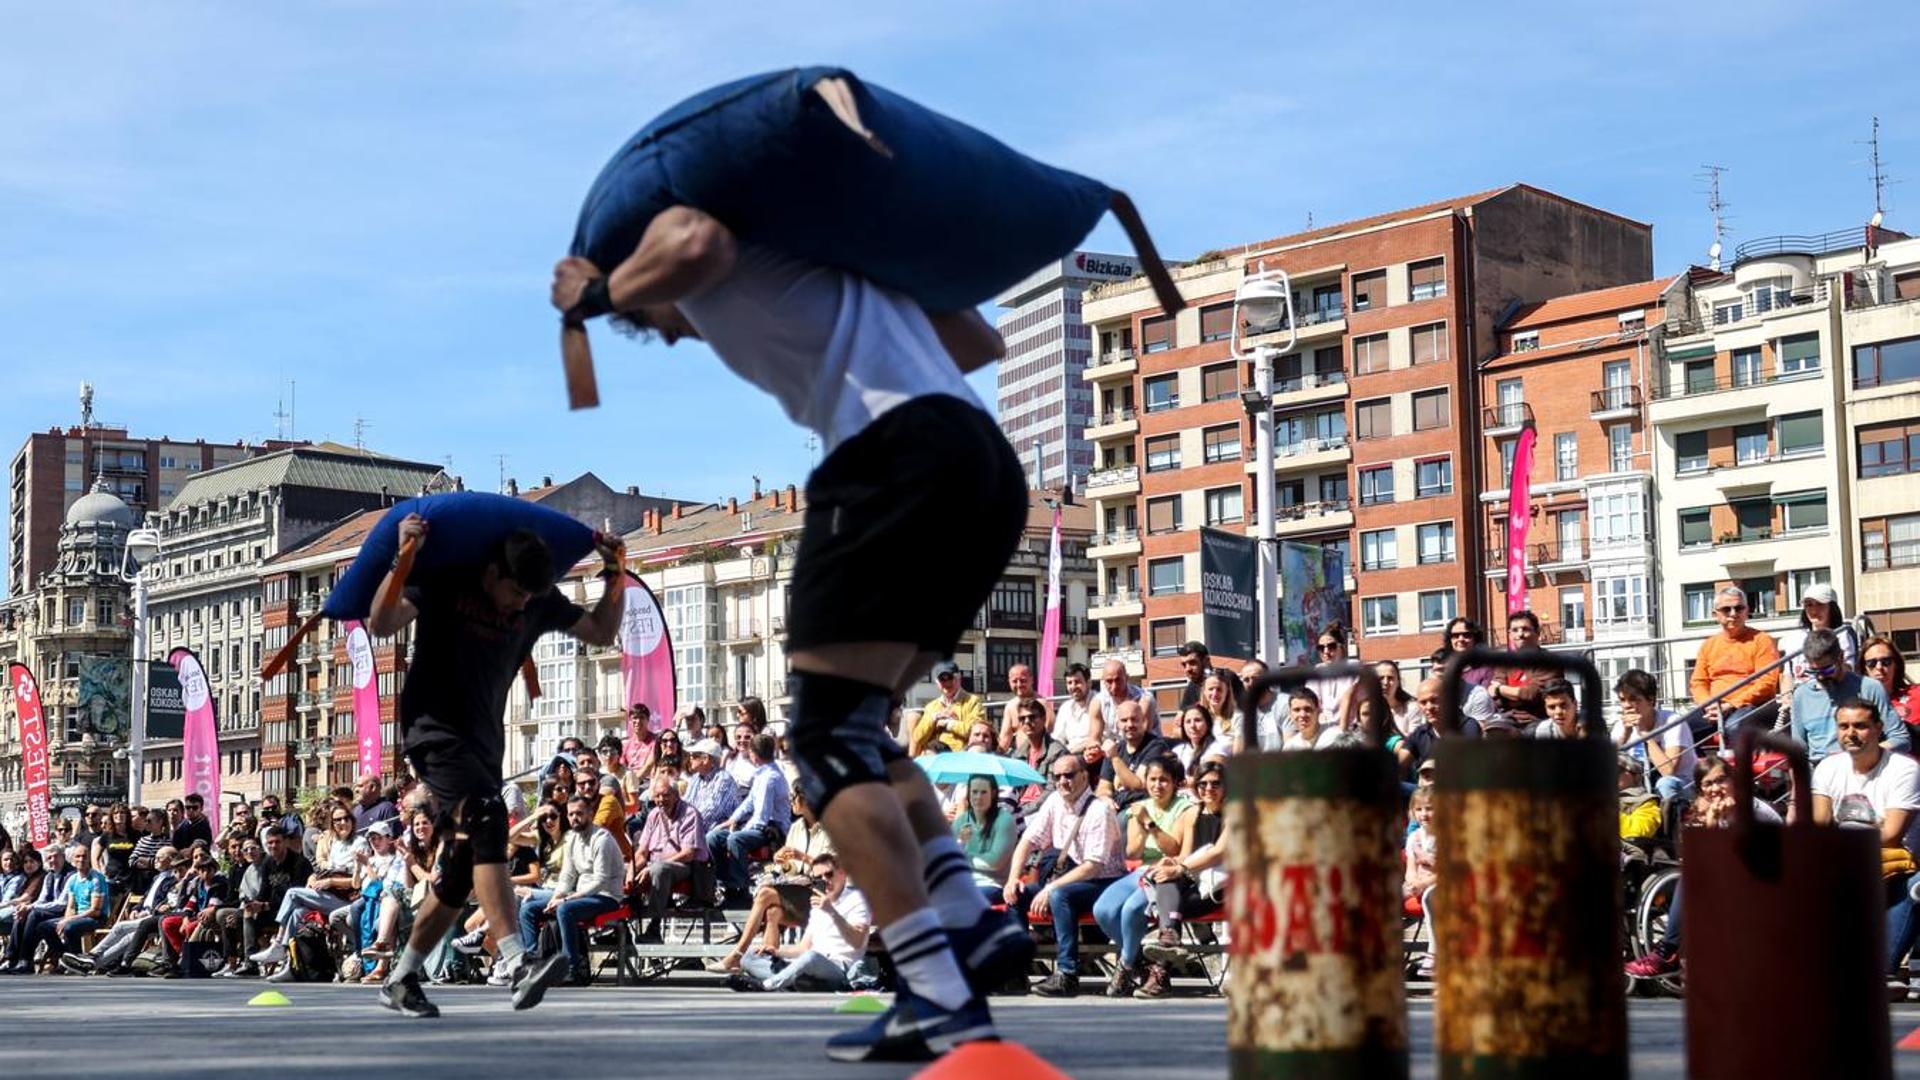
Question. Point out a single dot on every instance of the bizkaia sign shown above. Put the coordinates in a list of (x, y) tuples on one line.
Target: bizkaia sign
[(1086, 264)]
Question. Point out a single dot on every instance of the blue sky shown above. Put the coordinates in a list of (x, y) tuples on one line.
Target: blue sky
[(201, 201)]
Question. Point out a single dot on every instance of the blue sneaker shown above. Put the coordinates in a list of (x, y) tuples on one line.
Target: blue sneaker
[(992, 952), (914, 1029)]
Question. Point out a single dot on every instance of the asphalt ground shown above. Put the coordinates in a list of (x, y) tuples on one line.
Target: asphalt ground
[(684, 1028)]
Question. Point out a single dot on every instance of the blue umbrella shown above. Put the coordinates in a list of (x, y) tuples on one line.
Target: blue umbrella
[(958, 766)]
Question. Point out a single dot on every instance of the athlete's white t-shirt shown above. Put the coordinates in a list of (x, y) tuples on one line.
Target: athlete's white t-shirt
[(836, 350)]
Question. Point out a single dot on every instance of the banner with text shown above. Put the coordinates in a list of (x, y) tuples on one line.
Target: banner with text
[(33, 754), (1313, 591), (367, 734), (646, 667), (166, 716), (200, 742), (1229, 575)]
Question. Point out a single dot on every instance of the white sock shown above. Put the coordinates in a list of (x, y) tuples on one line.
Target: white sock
[(511, 950), (918, 946), (950, 886), (410, 962)]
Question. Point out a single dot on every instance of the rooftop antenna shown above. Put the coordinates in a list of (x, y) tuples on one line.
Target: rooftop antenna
[(1718, 207), (86, 406), (1880, 180), (1309, 221), (360, 426), (502, 459)]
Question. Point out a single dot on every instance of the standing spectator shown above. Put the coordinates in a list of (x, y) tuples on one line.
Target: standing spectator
[(630, 783), (1330, 648), (1831, 682), (672, 845), (262, 890), (113, 849), (193, 825), (1198, 740), (1154, 825), (1867, 786), (738, 761), (711, 789), (1036, 748), (986, 833), (1880, 660), (1077, 722), (372, 805), (1668, 756), (154, 835), (752, 712), (1195, 663), (1077, 828), (288, 822), (1121, 779), (1115, 687), (759, 821), (589, 886), (1012, 727), (1733, 654), (33, 912), (1191, 884), (176, 814), (944, 721), (1220, 696), (826, 954), (1819, 610)]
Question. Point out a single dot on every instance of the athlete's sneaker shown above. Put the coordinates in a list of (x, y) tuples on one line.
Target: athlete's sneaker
[(501, 974), (404, 996), (914, 1029), (532, 980), (992, 951)]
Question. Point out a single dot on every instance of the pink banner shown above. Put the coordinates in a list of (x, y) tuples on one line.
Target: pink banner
[(1050, 630), (200, 741), (33, 755), (366, 700), (646, 666), (1520, 519)]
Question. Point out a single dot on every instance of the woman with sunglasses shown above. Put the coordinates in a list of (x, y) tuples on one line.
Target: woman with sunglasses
[(667, 753), (1153, 834), (1189, 885), (1880, 660), (1462, 634), (335, 880)]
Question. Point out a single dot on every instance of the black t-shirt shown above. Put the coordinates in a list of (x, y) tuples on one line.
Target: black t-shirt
[(185, 833), (291, 872), (119, 856), (1154, 747), (466, 653)]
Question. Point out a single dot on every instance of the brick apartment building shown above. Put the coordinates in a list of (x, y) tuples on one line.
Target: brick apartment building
[(1375, 409)]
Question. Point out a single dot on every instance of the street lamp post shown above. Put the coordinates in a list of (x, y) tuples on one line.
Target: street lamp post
[(143, 544), (1264, 302)]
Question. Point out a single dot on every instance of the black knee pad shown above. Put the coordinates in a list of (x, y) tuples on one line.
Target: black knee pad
[(486, 829), (839, 735)]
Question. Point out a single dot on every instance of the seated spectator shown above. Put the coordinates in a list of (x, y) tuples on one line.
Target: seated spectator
[(986, 833), (834, 942), (752, 712), (980, 740), (1264, 730), (1077, 828), (1153, 826), (271, 815), (1819, 610), (12, 879), (672, 848), (1198, 739), (23, 893), (1639, 807), (667, 752), (262, 890), (1308, 722), (738, 760), (83, 909), (1189, 885), (366, 924), (945, 721), (535, 847), (1865, 785), (1402, 709), (1880, 660), (332, 885), (1515, 692), (371, 803), (201, 894), (1220, 696), (782, 895), (1420, 857), (155, 834), (1012, 730), (591, 876), (1563, 719), (608, 808), (193, 824), (1125, 755), (36, 911), (128, 938), (710, 788), (1418, 747), (760, 821), (1830, 682), (1726, 658), (1668, 757), (613, 762)]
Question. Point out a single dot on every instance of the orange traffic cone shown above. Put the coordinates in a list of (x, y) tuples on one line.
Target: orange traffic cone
[(998, 1060), (1911, 1042)]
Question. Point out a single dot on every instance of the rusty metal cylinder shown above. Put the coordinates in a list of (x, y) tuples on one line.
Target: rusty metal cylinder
[(1527, 926), (1314, 902), (1784, 913)]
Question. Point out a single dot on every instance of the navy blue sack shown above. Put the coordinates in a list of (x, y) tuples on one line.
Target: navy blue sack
[(462, 528), (920, 202)]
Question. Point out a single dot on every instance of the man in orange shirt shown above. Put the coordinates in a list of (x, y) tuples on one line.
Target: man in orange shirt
[(1729, 656)]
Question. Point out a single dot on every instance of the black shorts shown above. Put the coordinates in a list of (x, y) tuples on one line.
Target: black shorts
[(908, 526), (451, 767)]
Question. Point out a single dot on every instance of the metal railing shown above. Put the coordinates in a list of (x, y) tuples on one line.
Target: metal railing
[(1311, 446), (1789, 244), (1301, 511), (1615, 399), (1310, 380), (1125, 656), (1693, 386), (1117, 356), (1114, 599), (1115, 416), (1117, 536), (1511, 414), (1123, 474), (1710, 314)]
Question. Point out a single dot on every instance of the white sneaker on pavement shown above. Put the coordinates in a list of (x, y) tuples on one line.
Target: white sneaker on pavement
[(275, 953)]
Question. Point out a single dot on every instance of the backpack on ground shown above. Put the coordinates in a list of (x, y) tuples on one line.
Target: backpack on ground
[(309, 957)]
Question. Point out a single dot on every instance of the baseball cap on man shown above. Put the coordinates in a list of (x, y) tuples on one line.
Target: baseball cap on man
[(705, 746), (945, 667)]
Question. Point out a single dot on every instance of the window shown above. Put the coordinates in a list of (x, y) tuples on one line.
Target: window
[(1697, 600), (1526, 341), (1379, 550), (1436, 542), (1566, 456), (1156, 334), (1436, 609), (1430, 344), (1163, 453), (1886, 361), (1290, 493), (1754, 518), (1433, 476), (1380, 614), (1620, 599), (1799, 355), (1370, 354), (1162, 392), (1333, 488), (1746, 367), (1216, 322), (1166, 576), (1619, 517), (1226, 506), (76, 610), (1369, 290), (1696, 527), (1376, 484), (1632, 322), (1222, 443), (1426, 280), (1509, 450), (1890, 542), (1167, 635), (1690, 451), (1803, 512), (1799, 581), (1620, 448), (1432, 409), (1749, 443), (1219, 382), (1699, 376), (1889, 449), (1163, 515), (1799, 433), (1760, 597), (1372, 419), (1728, 311)]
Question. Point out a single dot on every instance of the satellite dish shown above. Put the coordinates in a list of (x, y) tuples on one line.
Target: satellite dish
[(1876, 219), (1714, 251)]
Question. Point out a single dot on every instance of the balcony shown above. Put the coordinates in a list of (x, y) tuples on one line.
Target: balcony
[(741, 632), (1507, 419), (1325, 320), (1134, 659), (1111, 365), (1118, 605), (1309, 387), (1616, 403), (1011, 620), (308, 603), (1116, 543), (1710, 315), (1114, 482), (1552, 556), (1307, 454), (1310, 517), (1113, 424), (308, 699)]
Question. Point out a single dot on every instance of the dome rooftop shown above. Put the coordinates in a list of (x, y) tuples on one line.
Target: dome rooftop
[(100, 507)]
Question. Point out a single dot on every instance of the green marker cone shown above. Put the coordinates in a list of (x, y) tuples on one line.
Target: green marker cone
[(269, 997), (861, 1003)]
